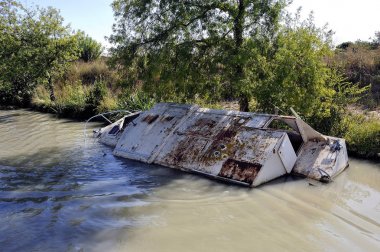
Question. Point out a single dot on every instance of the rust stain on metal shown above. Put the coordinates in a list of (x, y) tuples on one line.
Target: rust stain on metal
[(205, 122), (166, 118), (150, 118), (230, 131), (226, 133), (239, 170), (187, 151), (202, 127)]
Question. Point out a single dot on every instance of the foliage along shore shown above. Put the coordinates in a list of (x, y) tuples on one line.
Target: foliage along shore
[(205, 52), (80, 101)]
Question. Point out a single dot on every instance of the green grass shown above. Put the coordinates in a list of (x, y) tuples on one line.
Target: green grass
[(362, 135)]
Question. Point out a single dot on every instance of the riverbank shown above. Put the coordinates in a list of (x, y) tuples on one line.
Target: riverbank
[(360, 128)]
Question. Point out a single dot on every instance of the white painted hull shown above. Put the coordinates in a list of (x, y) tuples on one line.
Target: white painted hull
[(228, 145)]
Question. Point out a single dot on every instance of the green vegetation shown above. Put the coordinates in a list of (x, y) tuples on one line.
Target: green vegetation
[(90, 50), (210, 52), (362, 134), (35, 48), (360, 62)]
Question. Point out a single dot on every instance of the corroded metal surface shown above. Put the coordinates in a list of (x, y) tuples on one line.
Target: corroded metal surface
[(144, 136), (320, 161), (228, 145), (239, 170)]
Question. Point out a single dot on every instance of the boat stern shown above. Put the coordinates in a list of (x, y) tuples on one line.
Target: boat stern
[(322, 160)]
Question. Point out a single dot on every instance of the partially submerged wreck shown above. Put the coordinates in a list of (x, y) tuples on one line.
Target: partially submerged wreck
[(239, 147)]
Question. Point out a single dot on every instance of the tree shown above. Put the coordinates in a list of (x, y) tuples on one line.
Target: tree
[(300, 76), (90, 49), (376, 40), (195, 47), (35, 46)]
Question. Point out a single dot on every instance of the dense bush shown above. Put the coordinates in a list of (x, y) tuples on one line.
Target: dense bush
[(362, 135), (89, 48), (89, 72), (360, 63), (35, 46)]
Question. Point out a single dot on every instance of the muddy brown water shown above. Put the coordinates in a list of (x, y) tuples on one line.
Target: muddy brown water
[(59, 194)]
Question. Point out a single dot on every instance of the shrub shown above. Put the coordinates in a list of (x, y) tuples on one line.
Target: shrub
[(41, 96), (108, 103), (34, 46), (362, 135), (89, 72), (72, 95), (96, 94), (137, 100), (90, 49)]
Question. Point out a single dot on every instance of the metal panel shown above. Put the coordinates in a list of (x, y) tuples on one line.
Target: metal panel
[(258, 121), (219, 146), (142, 138), (105, 134), (319, 161), (272, 168), (198, 142), (287, 154)]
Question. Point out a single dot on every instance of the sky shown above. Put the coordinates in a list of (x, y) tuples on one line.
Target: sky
[(349, 19), (94, 17)]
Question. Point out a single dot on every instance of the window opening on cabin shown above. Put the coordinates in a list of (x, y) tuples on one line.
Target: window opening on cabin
[(115, 129), (291, 130)]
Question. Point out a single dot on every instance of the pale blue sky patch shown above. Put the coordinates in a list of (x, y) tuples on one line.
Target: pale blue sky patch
[(349, 19), (94, 17)]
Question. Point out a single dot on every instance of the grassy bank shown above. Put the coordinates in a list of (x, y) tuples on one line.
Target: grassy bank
[(91, 88), (362, 133)]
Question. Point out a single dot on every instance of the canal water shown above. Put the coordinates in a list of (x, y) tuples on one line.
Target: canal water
[(60, 193)]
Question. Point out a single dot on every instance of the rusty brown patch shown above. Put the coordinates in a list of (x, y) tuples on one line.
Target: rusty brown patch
[(150, 118), (239, 170), (186, 151), (202, 127), (205, 122), (226, 133)]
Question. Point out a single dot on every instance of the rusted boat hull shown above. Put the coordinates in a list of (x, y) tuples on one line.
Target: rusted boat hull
[(231, 146)]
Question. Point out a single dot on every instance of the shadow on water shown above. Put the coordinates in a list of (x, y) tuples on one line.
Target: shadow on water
[(8, 118), (65, 196)]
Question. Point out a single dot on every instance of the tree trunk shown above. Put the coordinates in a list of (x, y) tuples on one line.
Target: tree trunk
[(51, 87), (239, 70), (244, 103)]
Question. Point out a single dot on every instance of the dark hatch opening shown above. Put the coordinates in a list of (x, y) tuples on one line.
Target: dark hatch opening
[(291, 130), (129, 119)]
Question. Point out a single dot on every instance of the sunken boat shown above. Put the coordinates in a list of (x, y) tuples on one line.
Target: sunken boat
[(239, 147)]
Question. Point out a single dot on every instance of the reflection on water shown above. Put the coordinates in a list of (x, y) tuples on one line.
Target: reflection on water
[(57, 194)]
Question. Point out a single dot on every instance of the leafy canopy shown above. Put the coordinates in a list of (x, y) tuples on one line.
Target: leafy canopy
[(34, 45), (190, 48), (89, 48)]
